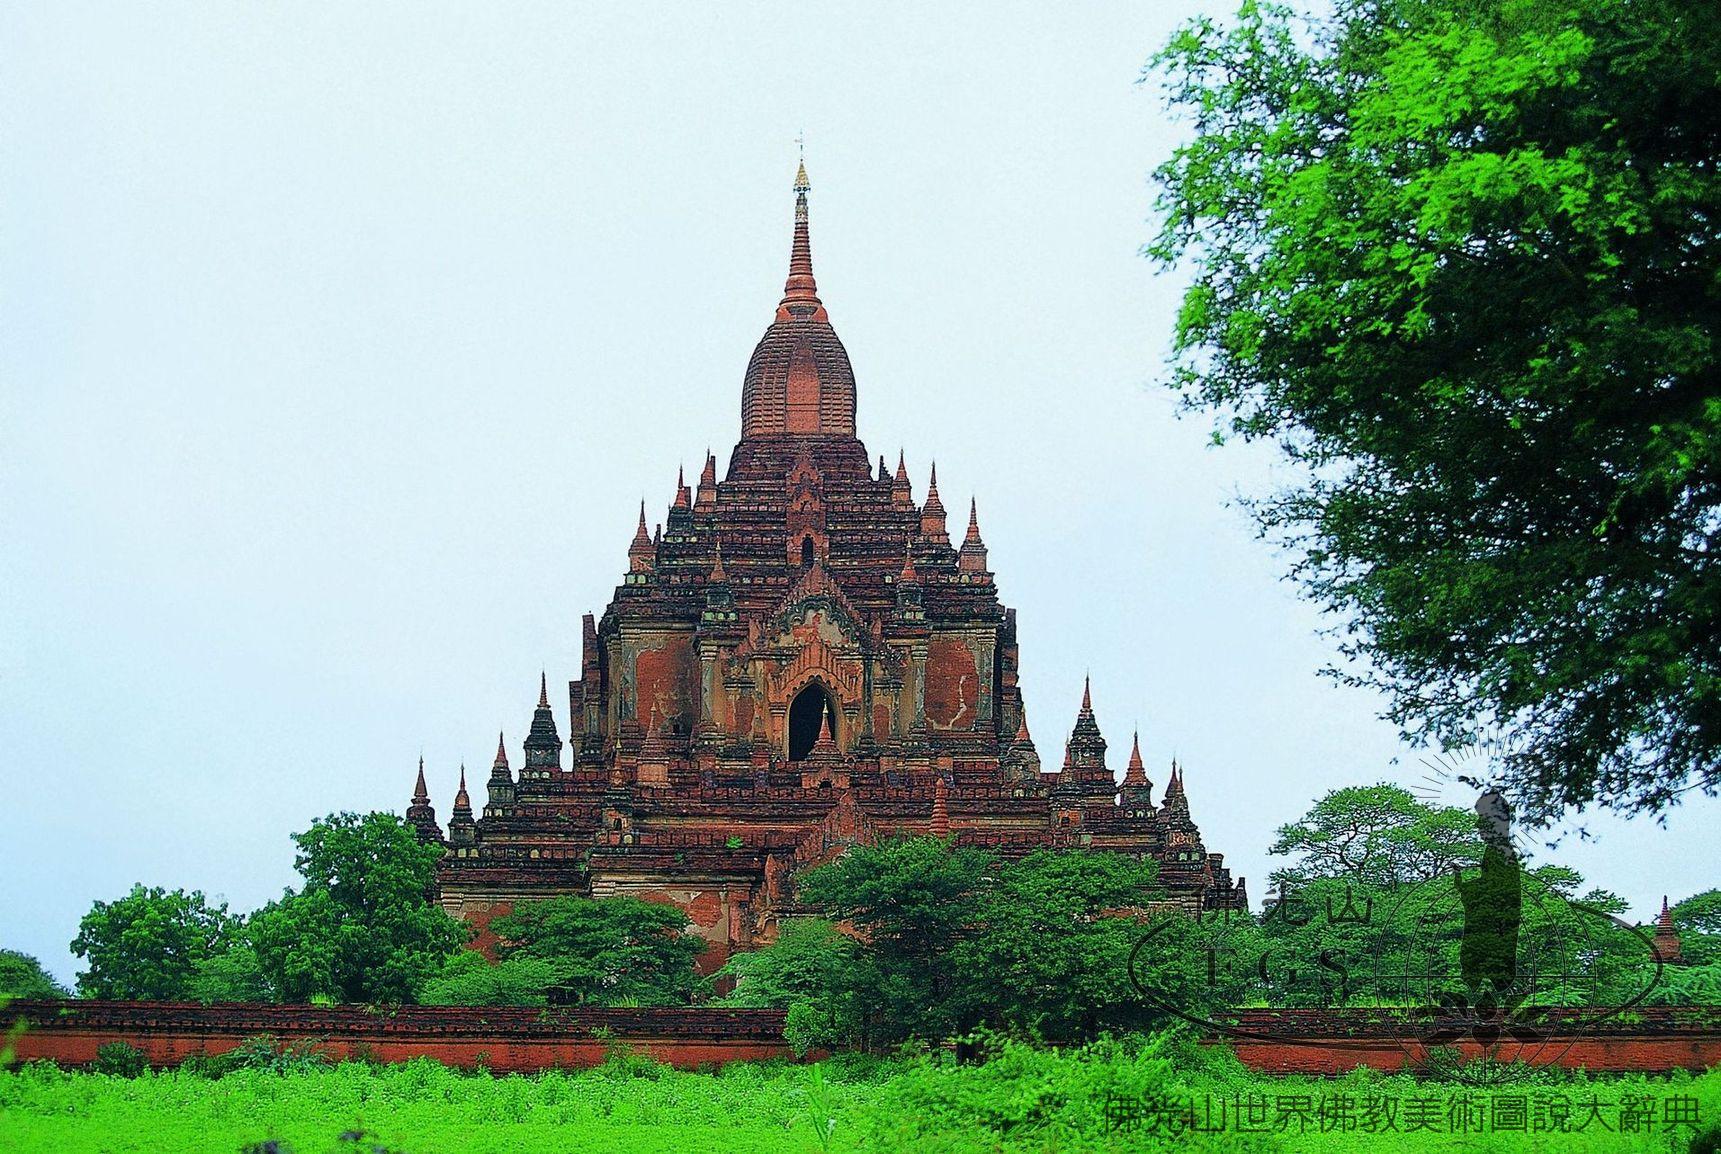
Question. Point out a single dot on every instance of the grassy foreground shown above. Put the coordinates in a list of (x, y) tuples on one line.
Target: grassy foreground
[(1128, 1095)]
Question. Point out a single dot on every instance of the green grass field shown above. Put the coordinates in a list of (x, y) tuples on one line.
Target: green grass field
[(1099, 1098)]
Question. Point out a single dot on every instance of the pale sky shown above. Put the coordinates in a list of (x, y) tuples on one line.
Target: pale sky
[(339, 343)]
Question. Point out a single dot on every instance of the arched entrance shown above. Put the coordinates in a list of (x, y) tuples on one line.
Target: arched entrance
[(810, 706)]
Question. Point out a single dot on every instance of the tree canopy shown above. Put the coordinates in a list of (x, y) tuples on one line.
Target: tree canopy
[(362, 928), (150, 943), (1459, 260), (22, 976), (605, 951), (1380, 835)]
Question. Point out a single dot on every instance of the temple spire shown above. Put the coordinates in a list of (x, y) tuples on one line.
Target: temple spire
[(501, 761), (973, 551), (460, 824), (705, 497), (543, 744), (640, 551), (419, 814), (932, 513), (800, 291), (1136, 773), (940, 809), (901, 491)]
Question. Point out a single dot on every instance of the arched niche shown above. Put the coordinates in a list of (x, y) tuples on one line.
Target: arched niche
[(811, 705)]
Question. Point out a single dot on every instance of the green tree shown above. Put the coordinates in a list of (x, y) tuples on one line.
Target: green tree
[(1370, 911), (913, 900), (362, 928), (1050, 952), (233, 975), (1459, 259), (1698, 921), (807, 970), (1377, 835), (605, 951), (148, 944), (22, 976), (470, 979)]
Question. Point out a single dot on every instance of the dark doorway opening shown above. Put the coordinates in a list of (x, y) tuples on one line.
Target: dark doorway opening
[(811, 706), (806, 552)]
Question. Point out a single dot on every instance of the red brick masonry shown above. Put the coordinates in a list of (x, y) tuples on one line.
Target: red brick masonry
[(1333, 1042), (505, 1039), (526, 1040)]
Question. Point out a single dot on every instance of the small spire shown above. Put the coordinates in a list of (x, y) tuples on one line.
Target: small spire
[(1022, 737), (825, 741), (908, 574), (708, 476), (421, 795), (901, 491), (940, 809), (654, 743), (932, 513), (461, 799), (639, 550), (683, 499), (1667, 944), (501, 761), (883, 469), (1136, 773), (973, 551), (1087, 694), (717, 573)]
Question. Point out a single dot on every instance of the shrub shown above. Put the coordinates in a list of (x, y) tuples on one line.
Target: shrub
[(121, 1059)]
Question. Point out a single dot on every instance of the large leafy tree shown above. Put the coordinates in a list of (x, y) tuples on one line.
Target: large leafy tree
[(1051, 952), (149, 943), (22, 976), (1379, 835), (1698, 922), (1370, 909), (1459, 259), (362, 928), (913, 901), (602, 951)]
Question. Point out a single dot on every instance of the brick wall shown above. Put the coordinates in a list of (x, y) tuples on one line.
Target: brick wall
[(506, 1039), (1333, 1042)]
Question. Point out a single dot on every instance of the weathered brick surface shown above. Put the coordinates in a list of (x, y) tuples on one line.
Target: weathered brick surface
[(504, 1039), (1333, 1042)]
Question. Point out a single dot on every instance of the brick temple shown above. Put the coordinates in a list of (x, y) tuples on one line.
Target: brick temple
[(798, 660)]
